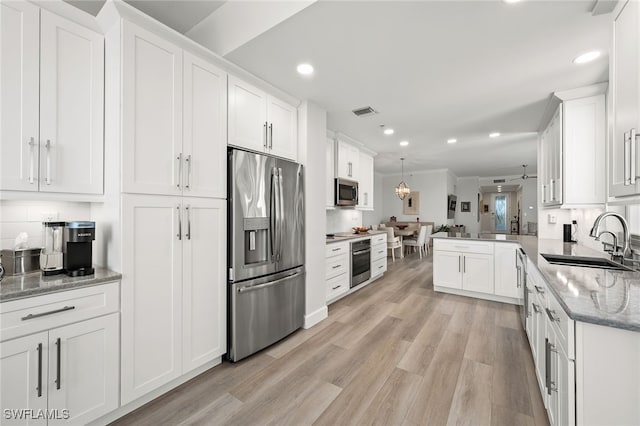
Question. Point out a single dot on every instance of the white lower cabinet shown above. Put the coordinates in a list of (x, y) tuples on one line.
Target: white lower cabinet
[(463, 265), (337, 270), (174, 294), (378, 255), (71, 370), (506, 277)]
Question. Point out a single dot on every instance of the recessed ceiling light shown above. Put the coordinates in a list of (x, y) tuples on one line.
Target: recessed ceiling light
[(494, 135), (305, 69), (388, 131), (452, 140), (511, 1), (587, 57), (404, 143)]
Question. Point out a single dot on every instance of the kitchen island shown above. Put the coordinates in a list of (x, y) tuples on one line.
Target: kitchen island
[(583, 326)]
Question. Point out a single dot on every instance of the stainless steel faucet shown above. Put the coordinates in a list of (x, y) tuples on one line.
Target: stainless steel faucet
[(626, 249)]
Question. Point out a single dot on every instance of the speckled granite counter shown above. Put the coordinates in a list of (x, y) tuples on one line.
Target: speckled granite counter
[(35, 284), (346, 236), (593, 295)]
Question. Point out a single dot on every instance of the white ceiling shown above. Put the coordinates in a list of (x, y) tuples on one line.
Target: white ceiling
[(435, 70), (181, 15)]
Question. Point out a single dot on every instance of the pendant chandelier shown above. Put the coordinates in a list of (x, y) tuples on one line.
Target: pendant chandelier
[(402, 190)]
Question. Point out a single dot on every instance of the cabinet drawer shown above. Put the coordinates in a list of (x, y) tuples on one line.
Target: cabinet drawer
[(337, 286), (463, 246), (336, 265), (30, 315), (562, 325), (379, 239), (378, 252), (378, 267), (335, 249)]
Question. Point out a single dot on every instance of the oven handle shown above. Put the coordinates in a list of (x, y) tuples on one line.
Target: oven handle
[(362, 251)]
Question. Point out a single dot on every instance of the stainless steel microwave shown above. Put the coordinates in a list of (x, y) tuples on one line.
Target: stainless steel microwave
[(346, 193)]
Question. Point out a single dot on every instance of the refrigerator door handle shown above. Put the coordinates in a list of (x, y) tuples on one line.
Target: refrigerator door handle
[(265, 285), (280, 213), (273, 213)]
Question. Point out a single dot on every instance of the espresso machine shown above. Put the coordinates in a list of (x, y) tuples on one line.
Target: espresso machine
[(77, 248)]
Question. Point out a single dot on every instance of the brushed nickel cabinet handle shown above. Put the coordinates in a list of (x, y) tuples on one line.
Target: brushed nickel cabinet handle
[(336, 287), (179, 223), (47, 178), (39, 387), (179, 159), (633, 167), (32, 144), (188, 210), (188, 161), (627, 160), (336, 266), (266, 138), (270, 135), (42, 314), (59, 350)]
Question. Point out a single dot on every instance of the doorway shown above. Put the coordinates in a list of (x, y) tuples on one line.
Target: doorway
[(500, 216)]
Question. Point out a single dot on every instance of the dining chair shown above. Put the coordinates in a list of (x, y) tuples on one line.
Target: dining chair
[(393, 243), (419, 242), (428, 238)]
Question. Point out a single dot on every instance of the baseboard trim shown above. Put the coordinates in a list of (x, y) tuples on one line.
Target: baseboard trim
[(134, 405), (476, 295), (315, 317)]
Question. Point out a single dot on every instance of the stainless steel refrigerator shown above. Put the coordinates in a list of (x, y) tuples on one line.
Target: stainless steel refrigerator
[(266, 251)]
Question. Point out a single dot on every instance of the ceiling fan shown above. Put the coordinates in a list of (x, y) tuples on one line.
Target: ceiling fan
[(524, 174)]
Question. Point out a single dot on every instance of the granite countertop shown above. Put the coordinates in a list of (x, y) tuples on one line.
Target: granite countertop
[(592, 295), (35, 284), (346, 236)]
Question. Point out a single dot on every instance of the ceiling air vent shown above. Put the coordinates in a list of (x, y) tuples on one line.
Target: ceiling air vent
[(499, 180), (364, 111)]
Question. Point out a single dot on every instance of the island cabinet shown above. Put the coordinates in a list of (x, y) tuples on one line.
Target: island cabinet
[(463, 265), (60, 352), (624, 72)]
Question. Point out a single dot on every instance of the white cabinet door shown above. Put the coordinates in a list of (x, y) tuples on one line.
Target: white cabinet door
[(625, 80), (23, 378), (83, 369), (152, 228), (19, 61), (151, 113), (247, 124), (540, 334), (584, 148), (204, 282), (205, 129), (365, 181), (71, 106), (330, 173), (283, 128), (565, 388), (506, 277), (347, 161), (551, 157), (477, 272), (447, 269)]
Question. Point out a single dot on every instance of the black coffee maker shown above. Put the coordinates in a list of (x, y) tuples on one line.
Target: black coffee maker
[(77, 248)]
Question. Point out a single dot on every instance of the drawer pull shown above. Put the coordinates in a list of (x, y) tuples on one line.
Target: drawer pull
[(552, 315), (380, 267), (336, 266), (59, 349), (39, 387), (336, 249), (536, 308), (336, 287), (539, 289), (56, 311)]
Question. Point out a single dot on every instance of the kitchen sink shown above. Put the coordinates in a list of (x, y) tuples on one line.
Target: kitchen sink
[(588, 262)]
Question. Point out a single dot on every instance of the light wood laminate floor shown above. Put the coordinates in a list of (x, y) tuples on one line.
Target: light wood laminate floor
[(393, 353)]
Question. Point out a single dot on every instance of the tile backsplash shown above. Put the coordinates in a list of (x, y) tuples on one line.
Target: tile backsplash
[(27, 216), (342, 220)]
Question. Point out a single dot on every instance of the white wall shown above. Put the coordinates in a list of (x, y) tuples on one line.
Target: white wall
[(433, 186), (27, 216), (467, 190), (312, 129)]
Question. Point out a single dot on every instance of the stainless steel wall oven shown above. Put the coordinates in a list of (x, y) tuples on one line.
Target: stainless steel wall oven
[(360, 261)]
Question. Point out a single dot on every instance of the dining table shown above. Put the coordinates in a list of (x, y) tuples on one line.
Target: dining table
[(405, 232)]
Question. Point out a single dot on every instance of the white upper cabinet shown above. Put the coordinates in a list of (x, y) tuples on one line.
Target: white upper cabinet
[(347, 159), (248, 125), (330, 173), (624, 148), (152, 156), (261, 122), (365, 181), (572, 150), (19, 79), (205, 129), (52, 103)]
